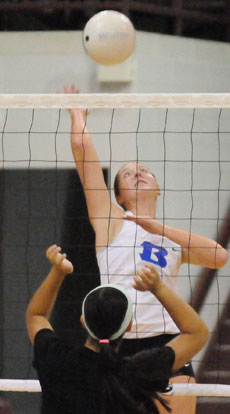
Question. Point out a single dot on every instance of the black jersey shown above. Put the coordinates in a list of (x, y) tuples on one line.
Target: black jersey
[(71, 381)]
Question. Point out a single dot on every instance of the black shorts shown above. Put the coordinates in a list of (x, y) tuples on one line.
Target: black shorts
[(132, 346)]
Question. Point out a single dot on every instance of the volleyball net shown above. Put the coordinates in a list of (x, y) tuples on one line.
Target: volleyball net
[(183, 138)]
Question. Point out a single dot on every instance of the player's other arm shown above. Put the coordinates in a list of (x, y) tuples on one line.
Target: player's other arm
[(196, 249), (42, 302)]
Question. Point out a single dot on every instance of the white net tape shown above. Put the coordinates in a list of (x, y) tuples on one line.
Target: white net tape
[(201, 390), (193, 100)]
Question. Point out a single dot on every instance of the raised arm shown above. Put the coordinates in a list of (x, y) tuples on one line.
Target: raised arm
[(194, 332), (42, 302), (196, 249), (100, 207)]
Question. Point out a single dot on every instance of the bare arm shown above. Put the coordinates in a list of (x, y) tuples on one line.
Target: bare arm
[(194, 332), (196, 249), (42, 303), (88, 166), (100, 207)]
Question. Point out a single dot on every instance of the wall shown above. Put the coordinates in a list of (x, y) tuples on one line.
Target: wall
[(167, 142)]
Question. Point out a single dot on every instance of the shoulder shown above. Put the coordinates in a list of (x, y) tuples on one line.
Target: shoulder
[(48, 346), (44, 336)]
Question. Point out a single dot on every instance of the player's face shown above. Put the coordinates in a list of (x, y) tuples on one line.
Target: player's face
[(135, 177)]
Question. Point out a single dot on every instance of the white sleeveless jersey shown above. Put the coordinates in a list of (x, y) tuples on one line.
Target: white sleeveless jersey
[(119, 262)]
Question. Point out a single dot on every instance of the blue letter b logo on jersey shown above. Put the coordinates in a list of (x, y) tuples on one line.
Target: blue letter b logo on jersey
[(154, 254)]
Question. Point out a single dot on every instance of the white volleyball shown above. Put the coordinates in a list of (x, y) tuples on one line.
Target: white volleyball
[(109, 37)]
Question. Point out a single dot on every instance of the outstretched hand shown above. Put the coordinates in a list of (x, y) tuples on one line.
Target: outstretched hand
[(58, 259), (147, 278), (71, 89), (76, 113)]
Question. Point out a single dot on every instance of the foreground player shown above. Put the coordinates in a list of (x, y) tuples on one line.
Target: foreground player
[(123, 246), (95, 378)]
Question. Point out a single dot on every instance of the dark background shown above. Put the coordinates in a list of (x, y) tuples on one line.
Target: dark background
[(40, 207), (203, 19)]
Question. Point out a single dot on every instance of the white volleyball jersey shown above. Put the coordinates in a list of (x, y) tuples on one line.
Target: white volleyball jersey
[(119, 262)]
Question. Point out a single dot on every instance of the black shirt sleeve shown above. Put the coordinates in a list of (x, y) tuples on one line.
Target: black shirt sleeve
[(49, 349)]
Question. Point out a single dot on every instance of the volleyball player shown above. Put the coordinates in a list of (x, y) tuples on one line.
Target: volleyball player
[(123, 246), (95, 378)]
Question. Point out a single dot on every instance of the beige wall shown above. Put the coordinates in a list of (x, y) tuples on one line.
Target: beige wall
[(41, 62), (45, 62)]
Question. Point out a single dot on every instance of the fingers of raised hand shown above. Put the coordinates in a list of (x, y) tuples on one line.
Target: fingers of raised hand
[(71, 89), (130, 218), (145, 222), (51, 251), (146, 278), (139, 284), (135, 219), (151, 269), (143, 279), (59, 259), (54, 255), (145, 273)]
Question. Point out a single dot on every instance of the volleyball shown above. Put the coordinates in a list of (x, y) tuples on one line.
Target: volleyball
[(109, 37)]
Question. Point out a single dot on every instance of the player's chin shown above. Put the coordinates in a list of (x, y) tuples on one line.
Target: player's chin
[(143, 187)]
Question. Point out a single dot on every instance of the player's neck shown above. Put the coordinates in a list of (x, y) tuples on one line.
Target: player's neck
[(142, 209), (95, 346)]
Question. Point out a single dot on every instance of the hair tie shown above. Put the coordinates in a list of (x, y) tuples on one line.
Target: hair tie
[(104, 341)]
